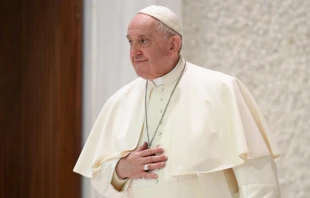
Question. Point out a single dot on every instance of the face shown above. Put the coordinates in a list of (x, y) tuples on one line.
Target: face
[(149, 49)]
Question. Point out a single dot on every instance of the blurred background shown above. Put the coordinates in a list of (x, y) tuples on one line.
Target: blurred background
[(61, 60)]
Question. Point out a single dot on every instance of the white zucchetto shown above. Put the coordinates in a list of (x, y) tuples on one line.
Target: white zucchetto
[(164, 15)]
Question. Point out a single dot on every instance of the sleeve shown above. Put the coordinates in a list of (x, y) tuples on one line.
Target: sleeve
[(106, 181), (257, 178), (117, 182), (101, 181)]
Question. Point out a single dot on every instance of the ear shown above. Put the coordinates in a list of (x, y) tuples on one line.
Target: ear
[(175, 45)]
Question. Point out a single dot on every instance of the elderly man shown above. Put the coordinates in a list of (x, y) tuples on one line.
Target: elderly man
[(179, 130)]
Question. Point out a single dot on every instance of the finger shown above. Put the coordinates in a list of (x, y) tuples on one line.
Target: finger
[(155, 166), (142, 147), (148, 152), (147, 175), (154, 159)]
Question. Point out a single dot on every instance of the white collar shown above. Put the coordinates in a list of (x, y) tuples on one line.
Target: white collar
[(172, 76)]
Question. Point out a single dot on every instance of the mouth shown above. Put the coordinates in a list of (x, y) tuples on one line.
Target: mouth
[(139, 61)]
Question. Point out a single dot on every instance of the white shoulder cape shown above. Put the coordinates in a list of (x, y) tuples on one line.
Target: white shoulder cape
[(214, 123)]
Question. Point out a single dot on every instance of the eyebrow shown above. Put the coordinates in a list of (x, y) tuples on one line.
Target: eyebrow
[(142, 35)]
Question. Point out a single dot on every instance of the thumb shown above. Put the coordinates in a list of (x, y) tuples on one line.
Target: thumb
[(142, 147)]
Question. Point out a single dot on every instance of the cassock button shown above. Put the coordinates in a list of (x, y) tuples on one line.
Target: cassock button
[(161, 99), (160, 111)]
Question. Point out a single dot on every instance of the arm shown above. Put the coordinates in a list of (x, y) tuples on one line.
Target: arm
[(101, 182), (108, 181), (118, 182), (257, 178)]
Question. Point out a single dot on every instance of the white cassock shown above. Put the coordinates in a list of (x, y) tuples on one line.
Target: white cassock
[(217, 142)]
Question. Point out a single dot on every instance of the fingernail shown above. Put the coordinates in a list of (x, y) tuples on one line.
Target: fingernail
[(162, 150), (156, 176)]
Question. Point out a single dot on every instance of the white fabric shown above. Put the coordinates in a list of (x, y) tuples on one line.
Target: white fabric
[(210, 113), (117, 182), (165, 15), (106, 64), (158, 81), (90, 165), (211, 185), (260, 172), (104, 176), (258, 178)]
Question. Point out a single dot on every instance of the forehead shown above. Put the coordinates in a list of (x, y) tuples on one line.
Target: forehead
[(141, 25)]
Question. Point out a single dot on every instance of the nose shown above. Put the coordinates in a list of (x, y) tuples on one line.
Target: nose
[(135, 48)]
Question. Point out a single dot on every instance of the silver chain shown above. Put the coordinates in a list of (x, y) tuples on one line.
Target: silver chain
[(160, 121)]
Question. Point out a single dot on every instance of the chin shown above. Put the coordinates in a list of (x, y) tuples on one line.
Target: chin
[(142, 71), (144, 76)]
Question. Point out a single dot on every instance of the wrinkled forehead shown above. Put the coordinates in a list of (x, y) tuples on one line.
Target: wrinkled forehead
[(142, 20), (141, 24)]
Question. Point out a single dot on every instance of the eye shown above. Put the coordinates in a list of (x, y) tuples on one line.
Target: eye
[(144, 42), (130, 42)]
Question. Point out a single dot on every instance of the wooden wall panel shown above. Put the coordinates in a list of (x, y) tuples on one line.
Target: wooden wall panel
[(10, 99), (40, 98)]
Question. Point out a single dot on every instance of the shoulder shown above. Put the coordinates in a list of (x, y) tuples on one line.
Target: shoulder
[(201, 75), (129, 90)]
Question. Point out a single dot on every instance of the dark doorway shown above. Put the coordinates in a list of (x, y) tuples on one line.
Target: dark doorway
[(40, 98)]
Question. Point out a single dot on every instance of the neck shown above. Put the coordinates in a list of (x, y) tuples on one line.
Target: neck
[(171, 66)]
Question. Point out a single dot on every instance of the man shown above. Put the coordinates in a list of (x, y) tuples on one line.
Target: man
[(178, 131)]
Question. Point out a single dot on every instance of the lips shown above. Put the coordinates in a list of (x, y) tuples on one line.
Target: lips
[(139, 61)]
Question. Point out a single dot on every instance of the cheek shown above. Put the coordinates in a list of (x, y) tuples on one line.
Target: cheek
[(162, 50)]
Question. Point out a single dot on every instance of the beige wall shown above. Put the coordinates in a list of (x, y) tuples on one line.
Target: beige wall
[(266, 44)]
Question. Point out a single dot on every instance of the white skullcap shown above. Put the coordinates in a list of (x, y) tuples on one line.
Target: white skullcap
[(165, 15)]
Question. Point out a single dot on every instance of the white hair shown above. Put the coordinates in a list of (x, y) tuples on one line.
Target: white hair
[(168, 31)]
